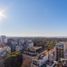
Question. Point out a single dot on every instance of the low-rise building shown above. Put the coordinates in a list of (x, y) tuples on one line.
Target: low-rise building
[(3, 53)]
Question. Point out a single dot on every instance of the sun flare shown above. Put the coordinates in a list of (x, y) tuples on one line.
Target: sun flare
[(2, 14)]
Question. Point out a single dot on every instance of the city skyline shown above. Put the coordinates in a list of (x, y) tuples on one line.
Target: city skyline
[(33, 18)]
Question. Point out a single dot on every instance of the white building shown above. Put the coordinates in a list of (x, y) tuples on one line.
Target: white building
[(30, 44), (8, 49), (21, 41), (19, 48), (3, 39), (61, 52), (64, 46), (43, 60), (2, 52)]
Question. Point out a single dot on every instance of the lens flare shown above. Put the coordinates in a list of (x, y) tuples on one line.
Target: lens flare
[(2, 14)]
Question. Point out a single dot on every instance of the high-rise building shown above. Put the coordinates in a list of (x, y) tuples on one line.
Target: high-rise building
[(30, 44), (59, 51), (3, 39), (12, 44)]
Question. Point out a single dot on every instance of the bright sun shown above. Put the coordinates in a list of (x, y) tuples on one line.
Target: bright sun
[(2, 15)]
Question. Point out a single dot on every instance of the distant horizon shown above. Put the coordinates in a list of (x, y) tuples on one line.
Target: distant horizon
[(36, 36)]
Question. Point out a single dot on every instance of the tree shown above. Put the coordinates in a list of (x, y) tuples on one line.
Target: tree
[(14, 60)]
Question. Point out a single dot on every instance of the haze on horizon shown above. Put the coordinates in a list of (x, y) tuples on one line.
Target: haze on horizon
[(33, 18)]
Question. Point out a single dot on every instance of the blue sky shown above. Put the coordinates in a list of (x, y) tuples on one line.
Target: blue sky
[(34, 18)]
